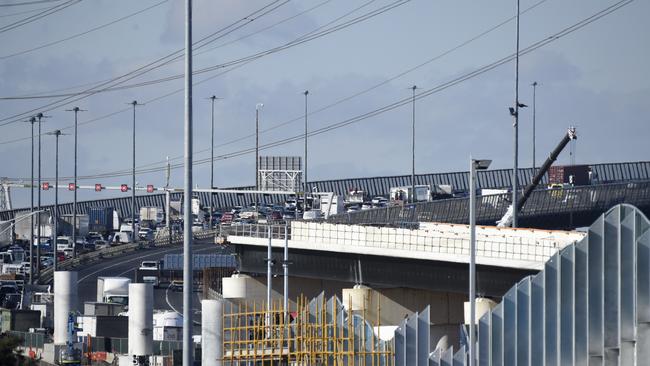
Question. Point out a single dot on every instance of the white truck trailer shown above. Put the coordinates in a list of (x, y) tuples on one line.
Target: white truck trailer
[(113, 290)]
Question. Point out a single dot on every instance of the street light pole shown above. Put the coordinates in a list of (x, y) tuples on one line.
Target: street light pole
[(515, 168), (306, 93), (55, 221), (133, 232), (212, 98), (413, 149), (534, 85), (258, 106), (74, 202), (188, 350), (38, 215), (31, 240), (474, 165)]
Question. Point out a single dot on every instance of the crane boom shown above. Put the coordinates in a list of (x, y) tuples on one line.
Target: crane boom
[(506, 220)]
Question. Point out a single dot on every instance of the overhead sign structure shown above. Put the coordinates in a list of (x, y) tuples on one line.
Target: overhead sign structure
[(98, 187), (124, 188), (150, 188), (71, 187), (45, 186)]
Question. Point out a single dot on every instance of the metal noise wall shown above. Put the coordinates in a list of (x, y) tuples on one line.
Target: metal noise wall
[(590, 304)]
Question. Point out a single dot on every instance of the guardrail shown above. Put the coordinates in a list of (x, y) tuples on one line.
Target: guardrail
[(94, 256)]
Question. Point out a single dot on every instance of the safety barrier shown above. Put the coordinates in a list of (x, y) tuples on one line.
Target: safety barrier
[(94, 256), (27, 339)]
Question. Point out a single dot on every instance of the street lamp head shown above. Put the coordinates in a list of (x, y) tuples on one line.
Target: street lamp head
[(306, 92), (481, 164), (259, 106), (40, 115)]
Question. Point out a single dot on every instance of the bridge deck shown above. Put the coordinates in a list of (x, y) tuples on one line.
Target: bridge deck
[(513, 248)]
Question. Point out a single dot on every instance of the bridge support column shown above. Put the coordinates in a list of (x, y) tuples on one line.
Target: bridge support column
[(211, 332), (140, 321), (65, 302)]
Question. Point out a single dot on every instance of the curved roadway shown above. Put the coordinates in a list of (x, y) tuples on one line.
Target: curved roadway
[(125, 266)]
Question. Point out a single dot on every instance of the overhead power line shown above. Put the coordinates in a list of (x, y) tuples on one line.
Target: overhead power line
[(29, 3), (35, 17), (145, 68), (396, 104), (84, 32)]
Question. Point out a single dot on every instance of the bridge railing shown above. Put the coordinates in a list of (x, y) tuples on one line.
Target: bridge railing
[(97, 255), (489, 209)]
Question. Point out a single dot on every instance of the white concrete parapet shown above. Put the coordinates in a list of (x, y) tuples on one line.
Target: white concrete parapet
[(503, 247)]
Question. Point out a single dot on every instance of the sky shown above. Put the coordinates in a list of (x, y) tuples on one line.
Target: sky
[(595, 79)]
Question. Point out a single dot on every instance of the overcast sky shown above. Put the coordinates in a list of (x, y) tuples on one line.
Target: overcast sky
[(595, 78)]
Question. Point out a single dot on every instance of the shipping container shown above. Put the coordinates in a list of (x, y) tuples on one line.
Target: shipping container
[(100, 219), (102, 308), (577, 175), (201, 261), (23, 227), (19, 320), (103, 326), (81, 227), (150, 213)]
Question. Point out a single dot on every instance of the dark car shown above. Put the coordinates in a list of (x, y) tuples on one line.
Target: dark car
[(275, 215), (9, 296)]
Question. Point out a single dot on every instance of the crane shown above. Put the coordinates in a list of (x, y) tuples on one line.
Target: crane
[(506, 220)]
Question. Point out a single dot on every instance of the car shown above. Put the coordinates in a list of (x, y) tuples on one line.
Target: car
[(93, 236), (47, 262), (9, 296), (101, 244), (60, 256), (353, 208), (366, 206), (275, 215), (227, 218), (145, 233), (89, 247), (379, 201)]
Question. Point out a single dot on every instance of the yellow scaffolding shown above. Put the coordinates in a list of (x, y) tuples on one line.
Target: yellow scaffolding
[(316, 332)]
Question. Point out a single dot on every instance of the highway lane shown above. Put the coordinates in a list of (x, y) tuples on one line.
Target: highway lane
[(127, 264)]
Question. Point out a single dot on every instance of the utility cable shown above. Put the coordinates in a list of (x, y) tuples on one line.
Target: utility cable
[(35, 17), (386, 108), (84, 32)]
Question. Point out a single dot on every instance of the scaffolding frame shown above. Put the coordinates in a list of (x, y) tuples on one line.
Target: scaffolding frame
[(316, 332)]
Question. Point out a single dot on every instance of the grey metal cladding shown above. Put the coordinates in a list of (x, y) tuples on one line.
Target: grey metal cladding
[(590, 305)]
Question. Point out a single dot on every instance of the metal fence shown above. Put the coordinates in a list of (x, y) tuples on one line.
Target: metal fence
[(27, 339), (372, 186), (121, 346), (491, 208)]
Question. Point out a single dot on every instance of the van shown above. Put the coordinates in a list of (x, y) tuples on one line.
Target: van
[(63, 243), (122, 237)]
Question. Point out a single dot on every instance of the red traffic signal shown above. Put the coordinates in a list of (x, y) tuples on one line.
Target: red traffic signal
[(98, 187), (71, 187), (124, 188), (149, 188), (45, 186)]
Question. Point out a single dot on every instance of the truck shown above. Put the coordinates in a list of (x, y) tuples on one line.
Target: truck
[(575, 175), (405, 193), (113, 290), (23, 227), (152, 214), (149, 272), (82, 226), (101, 219)]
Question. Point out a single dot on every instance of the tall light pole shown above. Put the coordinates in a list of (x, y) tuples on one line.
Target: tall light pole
[(38, 215), (306, 93), (534, 85), (474, 165), (258, 107), (55, 219), (133, 232), (515, 113), (31, 239), (212, 98), (74, 202), (414, 87), (187, 202)]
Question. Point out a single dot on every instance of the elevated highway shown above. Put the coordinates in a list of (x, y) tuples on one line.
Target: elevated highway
[(535, 214), (433, 257)]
